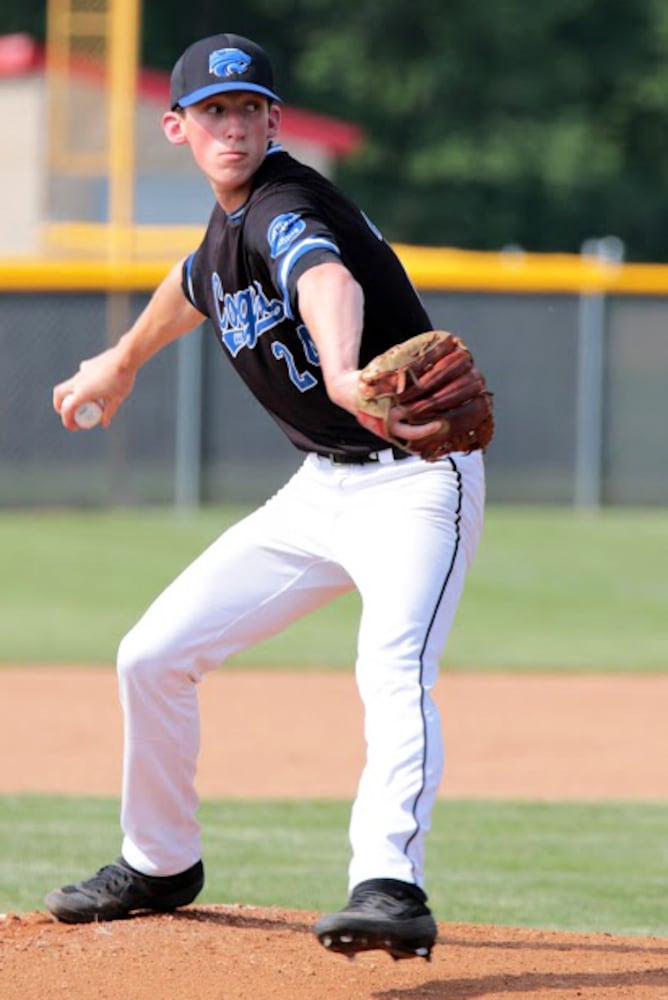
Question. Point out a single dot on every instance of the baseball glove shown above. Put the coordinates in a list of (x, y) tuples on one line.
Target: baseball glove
[(430, 377)]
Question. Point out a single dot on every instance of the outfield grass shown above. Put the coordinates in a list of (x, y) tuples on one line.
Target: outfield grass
[(598, 867), (551, 589)]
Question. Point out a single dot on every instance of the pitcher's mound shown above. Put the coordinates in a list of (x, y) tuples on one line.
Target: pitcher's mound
[(248, 953)]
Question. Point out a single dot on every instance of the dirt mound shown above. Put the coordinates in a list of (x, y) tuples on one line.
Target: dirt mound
[(247, 953)]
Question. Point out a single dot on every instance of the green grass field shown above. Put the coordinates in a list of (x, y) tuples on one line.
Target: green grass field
[(550, 589), (577, 867)]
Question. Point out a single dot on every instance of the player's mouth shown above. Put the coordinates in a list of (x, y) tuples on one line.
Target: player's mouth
[(232, 155)]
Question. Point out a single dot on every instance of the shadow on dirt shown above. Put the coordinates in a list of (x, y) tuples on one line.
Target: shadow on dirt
[(243, 917), (518, 943), (530, 984)]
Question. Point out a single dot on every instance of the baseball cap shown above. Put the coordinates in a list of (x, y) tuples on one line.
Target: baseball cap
[(218, 64)]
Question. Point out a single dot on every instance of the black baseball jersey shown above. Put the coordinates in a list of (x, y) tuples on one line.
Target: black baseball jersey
[(244, 278)]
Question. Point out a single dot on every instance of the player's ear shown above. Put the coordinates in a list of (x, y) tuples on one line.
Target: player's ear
[(274, 120), (172, 126)]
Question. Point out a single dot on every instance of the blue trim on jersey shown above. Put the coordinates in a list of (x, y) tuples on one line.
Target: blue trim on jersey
[(237, 215), (291, 258), (189, 280)]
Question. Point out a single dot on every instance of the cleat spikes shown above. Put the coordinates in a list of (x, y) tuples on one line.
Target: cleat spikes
[(350, 944), (384, 915)]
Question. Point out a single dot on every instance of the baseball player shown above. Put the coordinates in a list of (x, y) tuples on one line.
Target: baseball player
[(301, 291)]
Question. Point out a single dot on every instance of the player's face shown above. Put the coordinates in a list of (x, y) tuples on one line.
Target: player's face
[(228, 136)]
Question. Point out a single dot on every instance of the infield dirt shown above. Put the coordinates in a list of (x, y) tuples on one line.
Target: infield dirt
[(522, 737)]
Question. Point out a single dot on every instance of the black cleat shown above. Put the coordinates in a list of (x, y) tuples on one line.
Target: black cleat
[(117, 889), (384, 914)]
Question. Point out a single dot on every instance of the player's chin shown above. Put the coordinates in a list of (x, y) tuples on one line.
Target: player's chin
[(230, 176)]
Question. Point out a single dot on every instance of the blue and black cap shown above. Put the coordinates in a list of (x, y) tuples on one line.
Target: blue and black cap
[(219, 64)]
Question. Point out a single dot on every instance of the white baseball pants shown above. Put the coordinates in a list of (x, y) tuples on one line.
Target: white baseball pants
[(404, 534)]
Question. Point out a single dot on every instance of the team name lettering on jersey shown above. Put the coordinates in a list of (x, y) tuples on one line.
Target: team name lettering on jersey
[(244, 315)]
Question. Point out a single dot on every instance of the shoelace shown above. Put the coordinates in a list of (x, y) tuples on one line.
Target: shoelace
[(112, 876)]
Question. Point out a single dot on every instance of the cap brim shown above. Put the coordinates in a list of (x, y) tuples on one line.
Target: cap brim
[(223, 88)]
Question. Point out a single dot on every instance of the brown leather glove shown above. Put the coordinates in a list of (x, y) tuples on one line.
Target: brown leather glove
[(431, 377)]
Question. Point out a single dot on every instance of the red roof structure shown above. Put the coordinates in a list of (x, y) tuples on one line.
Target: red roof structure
[(21, 55)]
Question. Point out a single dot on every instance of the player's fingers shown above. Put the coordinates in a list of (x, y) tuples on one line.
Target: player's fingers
[(67, 409), (80, 410), (72, 386), (61, 392), (109, 409), (412, 432), (66, 402)]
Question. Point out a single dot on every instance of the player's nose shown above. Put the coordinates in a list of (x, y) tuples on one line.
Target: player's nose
[(234, 123)]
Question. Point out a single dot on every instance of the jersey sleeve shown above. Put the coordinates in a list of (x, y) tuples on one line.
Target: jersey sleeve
[(189, 283), (291, 236)]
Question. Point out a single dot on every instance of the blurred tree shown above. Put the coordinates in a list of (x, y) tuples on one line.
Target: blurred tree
[(534, 124), (537, 124), (23, 16)]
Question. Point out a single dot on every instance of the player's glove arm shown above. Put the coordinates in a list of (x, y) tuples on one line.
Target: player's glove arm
[(109, 377), (331, 304)]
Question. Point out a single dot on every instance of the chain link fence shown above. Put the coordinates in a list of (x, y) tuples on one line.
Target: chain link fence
[(156, 453)]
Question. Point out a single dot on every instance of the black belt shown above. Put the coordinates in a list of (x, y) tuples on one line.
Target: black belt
[(372, 456)]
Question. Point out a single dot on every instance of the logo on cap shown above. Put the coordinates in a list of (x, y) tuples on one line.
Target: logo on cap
[(229, 62)]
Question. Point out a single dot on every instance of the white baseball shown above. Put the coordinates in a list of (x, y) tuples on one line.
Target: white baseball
[(88, 415)]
